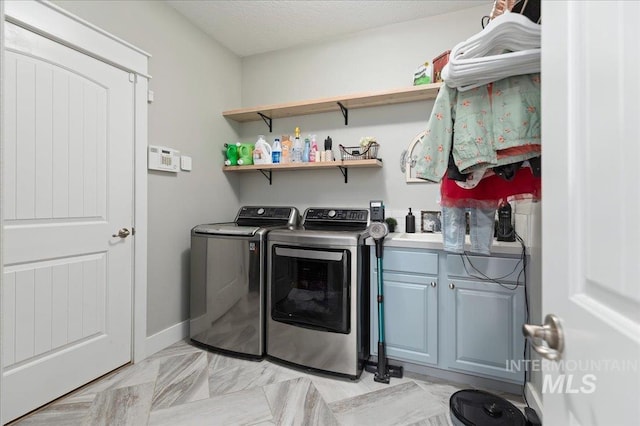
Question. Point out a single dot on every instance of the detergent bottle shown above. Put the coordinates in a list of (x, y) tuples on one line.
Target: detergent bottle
[(245, 154), (276, 151), (261, 151), (231, 153)]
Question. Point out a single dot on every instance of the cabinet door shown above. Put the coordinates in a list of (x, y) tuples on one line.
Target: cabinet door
[(483, 323), (410, 314)]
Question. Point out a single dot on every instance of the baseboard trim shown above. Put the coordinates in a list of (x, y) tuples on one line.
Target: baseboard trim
[(458, 377), (534, 399), (167, 337)]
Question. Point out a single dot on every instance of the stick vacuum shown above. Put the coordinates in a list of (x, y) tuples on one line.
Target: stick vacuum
[(383, 371)]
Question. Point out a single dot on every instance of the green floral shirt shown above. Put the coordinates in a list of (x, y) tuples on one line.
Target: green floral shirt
[(484, 127)]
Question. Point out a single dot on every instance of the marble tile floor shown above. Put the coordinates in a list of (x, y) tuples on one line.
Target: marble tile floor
[(185, 385)]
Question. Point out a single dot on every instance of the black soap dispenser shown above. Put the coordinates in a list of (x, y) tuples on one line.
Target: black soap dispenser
[(410, 223)]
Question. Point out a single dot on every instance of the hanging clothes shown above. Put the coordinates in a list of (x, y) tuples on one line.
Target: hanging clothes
[(475, 144), (481, 202), (491, 191), (485, 127), (454, 224)]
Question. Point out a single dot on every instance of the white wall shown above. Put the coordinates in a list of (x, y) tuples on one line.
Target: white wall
[(373, 60), (194, 79)]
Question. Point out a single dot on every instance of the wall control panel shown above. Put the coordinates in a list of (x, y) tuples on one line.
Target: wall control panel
[(164, 159)]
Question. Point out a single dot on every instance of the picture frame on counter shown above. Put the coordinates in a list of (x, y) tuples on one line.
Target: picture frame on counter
[(431, 221)]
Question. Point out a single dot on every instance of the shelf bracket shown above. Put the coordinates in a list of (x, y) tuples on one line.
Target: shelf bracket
[(345, 173), (267, 120), (267, 174), (345, 113)]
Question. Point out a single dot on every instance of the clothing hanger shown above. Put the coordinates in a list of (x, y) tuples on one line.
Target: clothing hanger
[(498, 37), (509, 45)]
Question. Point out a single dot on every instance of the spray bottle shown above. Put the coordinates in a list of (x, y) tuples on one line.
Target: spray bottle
[(314, 155)]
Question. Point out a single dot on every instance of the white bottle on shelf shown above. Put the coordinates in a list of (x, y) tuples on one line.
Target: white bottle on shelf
[(262, 151)]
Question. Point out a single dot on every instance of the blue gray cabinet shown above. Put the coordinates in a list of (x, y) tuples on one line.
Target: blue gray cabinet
[(483, 319), (442, 311), (411, 305)]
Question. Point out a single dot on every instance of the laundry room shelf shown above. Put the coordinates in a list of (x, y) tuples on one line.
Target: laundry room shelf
[(344, 166), (336, 103)]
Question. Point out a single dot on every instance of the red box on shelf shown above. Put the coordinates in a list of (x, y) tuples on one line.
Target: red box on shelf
[(438, 63)]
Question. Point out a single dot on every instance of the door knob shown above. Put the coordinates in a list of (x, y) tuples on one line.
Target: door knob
[(551, 332), (122, 233)]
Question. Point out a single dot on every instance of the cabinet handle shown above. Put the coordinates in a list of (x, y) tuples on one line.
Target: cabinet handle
[(452, 286), (433, 284)]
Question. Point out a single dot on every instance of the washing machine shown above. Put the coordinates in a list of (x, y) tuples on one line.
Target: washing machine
[(318, 300), (228, 270)]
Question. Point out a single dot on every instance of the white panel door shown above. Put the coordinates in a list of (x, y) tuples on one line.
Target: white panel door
[(68, 186), (591, 224)]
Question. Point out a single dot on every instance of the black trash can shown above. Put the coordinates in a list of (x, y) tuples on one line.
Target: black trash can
[(472, 407)]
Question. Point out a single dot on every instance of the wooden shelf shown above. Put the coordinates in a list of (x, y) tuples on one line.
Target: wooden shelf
[(305, 166), (336, 103), (267, 169)]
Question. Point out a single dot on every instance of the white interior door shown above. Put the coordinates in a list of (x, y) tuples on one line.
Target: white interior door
[(591, 205), (68, 186)]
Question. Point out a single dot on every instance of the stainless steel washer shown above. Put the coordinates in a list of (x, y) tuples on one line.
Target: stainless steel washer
[(228, 264), (318, 292)]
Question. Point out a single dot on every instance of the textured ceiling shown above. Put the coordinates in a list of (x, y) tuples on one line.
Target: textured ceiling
[(248, 27)]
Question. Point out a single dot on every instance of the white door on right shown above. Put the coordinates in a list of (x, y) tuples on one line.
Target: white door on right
[(591, 209)]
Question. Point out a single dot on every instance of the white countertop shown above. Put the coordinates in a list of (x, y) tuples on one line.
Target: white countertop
[(434, 242)]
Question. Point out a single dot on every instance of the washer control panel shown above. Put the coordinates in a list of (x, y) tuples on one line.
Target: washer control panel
[(275, 215), (334, 215)]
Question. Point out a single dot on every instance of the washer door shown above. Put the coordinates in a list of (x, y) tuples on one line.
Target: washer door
[(311, 288)]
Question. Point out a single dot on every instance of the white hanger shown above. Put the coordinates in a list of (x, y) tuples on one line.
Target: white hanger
[(508, 45)]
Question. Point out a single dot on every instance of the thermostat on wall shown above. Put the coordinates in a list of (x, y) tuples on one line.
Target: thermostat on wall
[(164, 159)]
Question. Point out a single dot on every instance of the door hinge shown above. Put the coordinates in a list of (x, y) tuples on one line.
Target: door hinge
[(133, 231), (132, 77)]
